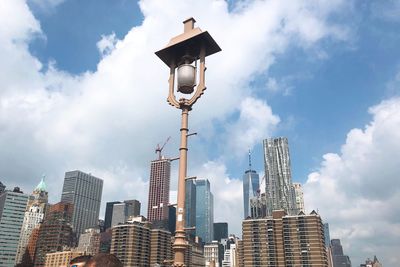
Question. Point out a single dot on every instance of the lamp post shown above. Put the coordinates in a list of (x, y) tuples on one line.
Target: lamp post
[(181, 55)]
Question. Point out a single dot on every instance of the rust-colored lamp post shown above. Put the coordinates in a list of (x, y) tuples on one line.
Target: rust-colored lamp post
[(181, 55)]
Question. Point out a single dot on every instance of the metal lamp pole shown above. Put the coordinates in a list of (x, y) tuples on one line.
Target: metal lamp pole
[(181, 56)]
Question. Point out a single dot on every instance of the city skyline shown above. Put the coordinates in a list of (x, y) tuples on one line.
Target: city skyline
[(79, 95)]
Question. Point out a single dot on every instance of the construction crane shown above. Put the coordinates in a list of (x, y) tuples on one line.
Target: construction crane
[(159, 149)]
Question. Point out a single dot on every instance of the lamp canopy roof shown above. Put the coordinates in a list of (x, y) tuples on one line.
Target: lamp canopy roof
[(189, 44)]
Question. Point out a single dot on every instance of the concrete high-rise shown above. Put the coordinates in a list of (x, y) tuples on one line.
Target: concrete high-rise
[(220, 231), (160, 248), (299, 197), (130, 242), (204, 211), (55, 233), (278, 177), (251, 187), (190, 206), (34, 214), (12, 210), (160, 175), (284, 240), (84, 192)]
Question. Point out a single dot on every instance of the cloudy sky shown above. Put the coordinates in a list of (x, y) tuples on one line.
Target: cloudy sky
[(81, 88)]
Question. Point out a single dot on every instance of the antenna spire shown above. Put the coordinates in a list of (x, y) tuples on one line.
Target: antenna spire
[(249, 159)]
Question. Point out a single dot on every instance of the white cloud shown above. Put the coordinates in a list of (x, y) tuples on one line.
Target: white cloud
[(255, 122), (107, 122), (107, 44), (358, 190)]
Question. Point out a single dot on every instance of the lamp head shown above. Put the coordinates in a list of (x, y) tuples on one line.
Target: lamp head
[(189, 44)]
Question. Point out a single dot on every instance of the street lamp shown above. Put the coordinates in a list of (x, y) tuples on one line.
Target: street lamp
[(181, 55)]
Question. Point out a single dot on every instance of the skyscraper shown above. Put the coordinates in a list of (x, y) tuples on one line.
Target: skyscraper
[(327, 235), (109, 213), (338, 258), (204, 210), (84, 192), (279, 187), (190, 206), (12, 209), (220, 231), (55, 232), (160, 173), (34, 214), (122, 211), (299, 197), (251, 187)]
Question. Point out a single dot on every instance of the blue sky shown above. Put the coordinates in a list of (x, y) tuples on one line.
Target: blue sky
[(82, 89)]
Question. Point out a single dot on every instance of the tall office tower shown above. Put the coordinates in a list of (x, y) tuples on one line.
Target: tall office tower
[(2, 188), (55, 232), (160, 248), (284, 240), (34, 214), (160, 173), (251, 187), (130, 242), (89, 241), (327, 235), (109, 213), (12, 209), (204, 211), (279, 188), (84, 192), (122, 211), (338, 258), (258, 206), (190, 206), (299, 197), (220, 231)]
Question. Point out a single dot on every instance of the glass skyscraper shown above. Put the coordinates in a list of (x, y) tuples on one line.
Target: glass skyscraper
[(190, 205), (279, 188), (251, 188), (204, 211), (12, 210), (84, 192)]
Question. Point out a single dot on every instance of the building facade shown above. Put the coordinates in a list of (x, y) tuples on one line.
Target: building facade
[(89, 241), (109, 213), (204, 211), (251, 187), (258, 206), (130, 242), (122, 211), (220, 231), (160, 248), (34, 215), (84, 192), (338, 258), (55, 233), (190, 206), (2, 188), (279, 188), (327, 235), (12, 209), (61, 258), (160, 175), (213, 254), (284, 240), (299, 197)]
